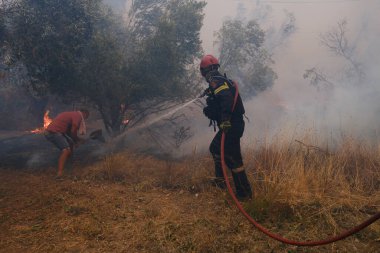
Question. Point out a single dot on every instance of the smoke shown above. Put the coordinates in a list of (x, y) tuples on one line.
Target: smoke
[(293, 107), (36, 160)]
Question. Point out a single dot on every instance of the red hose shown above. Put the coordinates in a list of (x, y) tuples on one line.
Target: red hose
[(278, 237)]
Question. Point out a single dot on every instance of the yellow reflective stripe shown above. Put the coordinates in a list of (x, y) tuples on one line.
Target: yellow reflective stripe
[(222, 87)]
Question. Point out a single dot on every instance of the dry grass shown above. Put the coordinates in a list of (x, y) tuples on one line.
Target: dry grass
[(134, 203)]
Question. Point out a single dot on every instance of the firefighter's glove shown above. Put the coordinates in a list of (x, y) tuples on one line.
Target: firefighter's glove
[(206, 111), (207, 92), (225, 126), (209, 112)]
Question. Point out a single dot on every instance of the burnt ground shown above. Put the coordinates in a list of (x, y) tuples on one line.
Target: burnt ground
[(21, 149)]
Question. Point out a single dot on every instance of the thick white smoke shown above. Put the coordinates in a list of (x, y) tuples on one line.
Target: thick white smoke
[(293, 106)]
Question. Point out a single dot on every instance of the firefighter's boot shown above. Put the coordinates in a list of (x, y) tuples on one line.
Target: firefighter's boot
[(218, 181), (242, 185)]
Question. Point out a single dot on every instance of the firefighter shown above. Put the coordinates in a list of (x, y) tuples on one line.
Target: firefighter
[(63, 133), (220, 102)]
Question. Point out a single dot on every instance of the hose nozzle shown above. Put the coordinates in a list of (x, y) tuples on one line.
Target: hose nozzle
[(207, 92)]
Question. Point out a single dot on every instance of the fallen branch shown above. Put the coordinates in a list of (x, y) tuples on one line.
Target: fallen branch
[(313, 147)]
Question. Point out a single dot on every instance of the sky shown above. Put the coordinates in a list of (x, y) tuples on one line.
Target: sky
[(293, 107)]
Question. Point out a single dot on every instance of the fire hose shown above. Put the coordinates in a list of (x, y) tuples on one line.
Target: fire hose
[(278, 237), (265, 230)]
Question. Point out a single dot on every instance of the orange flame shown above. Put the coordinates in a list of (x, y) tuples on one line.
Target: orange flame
[(47, 121)]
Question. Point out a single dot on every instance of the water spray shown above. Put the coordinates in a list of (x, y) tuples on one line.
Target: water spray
[(168, 113)]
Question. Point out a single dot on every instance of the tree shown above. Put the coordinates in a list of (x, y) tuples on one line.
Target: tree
[(2, 27), (49, 38), (80, 49), (168, 49), (276, 38), (243, 56), (2, 43), (5, 8), (160, 49), (336, 41)]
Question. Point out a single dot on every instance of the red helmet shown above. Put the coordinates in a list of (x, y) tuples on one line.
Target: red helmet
[(208, 63), (208, 60)]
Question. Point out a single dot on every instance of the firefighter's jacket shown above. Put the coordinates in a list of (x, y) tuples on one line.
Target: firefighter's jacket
[(221, 100)]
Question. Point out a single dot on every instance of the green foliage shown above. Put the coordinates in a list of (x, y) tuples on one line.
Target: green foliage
[(49, 37), (243, 57), (5, 8), (80, 49), (103, 74), (171, 45), (143, 17), (2, 28)]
